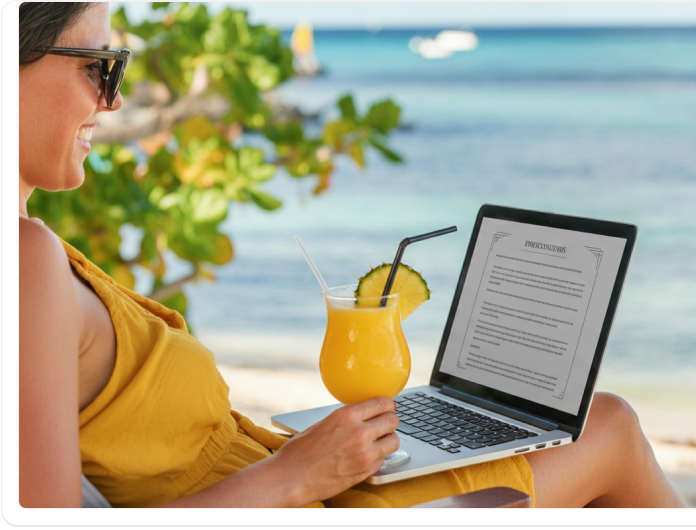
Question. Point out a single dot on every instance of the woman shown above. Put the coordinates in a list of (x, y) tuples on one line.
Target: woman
[(112, 385)]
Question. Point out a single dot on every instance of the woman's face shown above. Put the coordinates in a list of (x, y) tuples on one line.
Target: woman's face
[(59, 99)]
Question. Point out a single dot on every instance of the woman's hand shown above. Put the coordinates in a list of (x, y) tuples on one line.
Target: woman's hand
[(331, 456), (340, 451)]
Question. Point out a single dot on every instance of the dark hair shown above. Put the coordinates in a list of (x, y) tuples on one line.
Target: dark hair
[(41, 23)]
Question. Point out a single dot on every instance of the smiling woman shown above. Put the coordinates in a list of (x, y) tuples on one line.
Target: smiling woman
[(60, 96)]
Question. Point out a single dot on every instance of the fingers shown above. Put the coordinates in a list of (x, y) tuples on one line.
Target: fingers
[(375, 406), (387, 444), (382, 424)]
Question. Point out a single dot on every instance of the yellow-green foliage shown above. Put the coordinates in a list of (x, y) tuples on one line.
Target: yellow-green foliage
[(177, 186)]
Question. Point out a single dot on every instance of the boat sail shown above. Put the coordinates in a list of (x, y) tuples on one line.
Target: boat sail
[(302, 46)]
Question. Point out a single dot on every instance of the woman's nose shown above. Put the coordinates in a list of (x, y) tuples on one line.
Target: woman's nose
[(118, 102)]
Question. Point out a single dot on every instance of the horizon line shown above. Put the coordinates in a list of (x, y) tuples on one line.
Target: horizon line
[(474, 27)]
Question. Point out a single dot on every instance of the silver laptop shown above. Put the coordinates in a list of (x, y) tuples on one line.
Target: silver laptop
[(522, 346)]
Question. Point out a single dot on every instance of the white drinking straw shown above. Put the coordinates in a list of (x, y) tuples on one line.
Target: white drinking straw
[(310, 261)]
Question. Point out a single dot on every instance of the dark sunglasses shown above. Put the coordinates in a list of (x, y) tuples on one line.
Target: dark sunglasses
[(113, 65)]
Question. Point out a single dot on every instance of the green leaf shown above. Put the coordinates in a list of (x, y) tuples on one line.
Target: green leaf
[(347, 108), (262, 173), (335, 132), (250, 158), (388, 153), (208, 206), (356, 152), (264, 200), (383, 116), (285, 133), (176, 301), (224, 251), (196, 128)]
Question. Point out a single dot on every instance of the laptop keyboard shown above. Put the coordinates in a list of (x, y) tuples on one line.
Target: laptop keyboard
[(450, 427)]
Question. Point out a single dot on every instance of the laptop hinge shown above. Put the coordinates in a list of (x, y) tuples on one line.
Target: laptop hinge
[(500, 409)]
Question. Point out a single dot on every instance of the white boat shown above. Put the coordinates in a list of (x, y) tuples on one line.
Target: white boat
[(444, 44)]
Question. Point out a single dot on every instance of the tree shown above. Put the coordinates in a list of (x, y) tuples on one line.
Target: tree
[(194, 84)]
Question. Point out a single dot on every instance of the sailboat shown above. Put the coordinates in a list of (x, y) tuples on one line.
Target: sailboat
[(302, 46)]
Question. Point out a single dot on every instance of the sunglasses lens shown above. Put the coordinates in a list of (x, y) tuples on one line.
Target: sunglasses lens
[(113, 82)]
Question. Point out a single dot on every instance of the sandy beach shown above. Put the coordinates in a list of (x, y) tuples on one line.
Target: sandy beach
[(260, 392)]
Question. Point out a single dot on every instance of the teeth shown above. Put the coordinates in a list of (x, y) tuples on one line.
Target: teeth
[(84, 134)]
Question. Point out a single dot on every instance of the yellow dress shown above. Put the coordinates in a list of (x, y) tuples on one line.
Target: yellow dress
[(162, 427)]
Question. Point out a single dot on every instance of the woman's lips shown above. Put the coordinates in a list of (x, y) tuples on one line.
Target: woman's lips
[(84, 135)]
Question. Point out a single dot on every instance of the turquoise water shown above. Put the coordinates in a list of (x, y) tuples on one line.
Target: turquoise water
[(595, 123)]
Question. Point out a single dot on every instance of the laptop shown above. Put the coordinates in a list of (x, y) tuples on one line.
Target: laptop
[(522, 345)]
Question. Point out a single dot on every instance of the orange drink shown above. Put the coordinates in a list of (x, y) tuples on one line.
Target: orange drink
[(365, 353)]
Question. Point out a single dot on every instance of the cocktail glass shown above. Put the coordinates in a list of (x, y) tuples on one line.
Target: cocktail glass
[(365, 353)]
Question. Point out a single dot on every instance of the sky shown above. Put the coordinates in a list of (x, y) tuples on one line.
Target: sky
[(376, 15)]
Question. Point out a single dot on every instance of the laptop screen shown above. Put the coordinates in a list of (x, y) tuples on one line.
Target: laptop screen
[(531, 307)]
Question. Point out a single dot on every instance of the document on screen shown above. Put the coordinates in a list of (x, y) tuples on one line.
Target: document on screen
[(531, 311)]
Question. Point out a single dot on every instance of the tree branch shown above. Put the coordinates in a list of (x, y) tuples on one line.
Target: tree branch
[(167, 290), (135, 123)]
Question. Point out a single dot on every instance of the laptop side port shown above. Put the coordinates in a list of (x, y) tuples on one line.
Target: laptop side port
[(522, 450), (557, 442), (540, 446)]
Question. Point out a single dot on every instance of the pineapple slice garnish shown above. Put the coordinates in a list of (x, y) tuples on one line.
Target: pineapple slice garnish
[(408, 283)]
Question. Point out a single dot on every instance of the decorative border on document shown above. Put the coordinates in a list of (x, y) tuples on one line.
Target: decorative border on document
[(597, 253), (496, 237)]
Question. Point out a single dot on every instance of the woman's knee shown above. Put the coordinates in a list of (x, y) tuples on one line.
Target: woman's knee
[(611, 416)]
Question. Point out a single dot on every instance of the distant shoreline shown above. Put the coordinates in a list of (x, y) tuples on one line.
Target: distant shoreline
[(319, 30)]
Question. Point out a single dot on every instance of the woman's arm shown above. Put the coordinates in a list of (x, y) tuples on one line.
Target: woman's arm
[(50, 324), (320, 462)]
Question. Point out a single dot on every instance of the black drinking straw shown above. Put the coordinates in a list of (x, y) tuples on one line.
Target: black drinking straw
[(400, 254)]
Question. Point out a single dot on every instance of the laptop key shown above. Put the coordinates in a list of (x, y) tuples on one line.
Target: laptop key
[(453, 450), (430, 438), (407, 429), (436, 442), (420, 435), (499, 441), (439, 432), (484, 441), (473, 445)]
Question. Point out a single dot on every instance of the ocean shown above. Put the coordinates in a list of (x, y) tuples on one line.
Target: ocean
[(592, 122)]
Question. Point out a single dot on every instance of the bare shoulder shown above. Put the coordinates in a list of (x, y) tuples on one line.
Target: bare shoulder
[(40, 249), (46, 288)]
